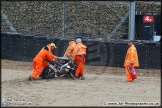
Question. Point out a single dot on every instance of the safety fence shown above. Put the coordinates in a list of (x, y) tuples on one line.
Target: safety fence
[(100, 52), (93, 18)]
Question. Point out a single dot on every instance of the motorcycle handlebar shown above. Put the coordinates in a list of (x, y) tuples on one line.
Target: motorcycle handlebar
[(65, 58)]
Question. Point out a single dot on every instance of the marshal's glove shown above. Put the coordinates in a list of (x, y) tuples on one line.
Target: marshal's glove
[(55, 61), (59, 58), (72, 62)]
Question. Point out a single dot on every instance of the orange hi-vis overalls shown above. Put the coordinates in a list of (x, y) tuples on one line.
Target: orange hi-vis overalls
[(69, 51), (42, 56), (78, 56), (131, 58), (45, 63)]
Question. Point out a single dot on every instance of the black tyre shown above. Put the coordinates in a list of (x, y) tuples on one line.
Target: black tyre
[(68, 75), (71, 72), (47, 73), (14, 35), (27, 36), (4, 34), (40, 37)]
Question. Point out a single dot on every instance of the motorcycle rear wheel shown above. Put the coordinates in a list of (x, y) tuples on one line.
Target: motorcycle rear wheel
[(47, 73)]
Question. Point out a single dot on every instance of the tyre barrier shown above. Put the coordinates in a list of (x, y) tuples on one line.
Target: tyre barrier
[(100, 52), (40, 37), (27, 36), (93, 52), (4, 34)]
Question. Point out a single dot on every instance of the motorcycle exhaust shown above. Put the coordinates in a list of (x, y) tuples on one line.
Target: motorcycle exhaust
[(52, 67), (63, 66)]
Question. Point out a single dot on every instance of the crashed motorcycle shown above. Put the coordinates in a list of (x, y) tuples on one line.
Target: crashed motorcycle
[(59, 68)]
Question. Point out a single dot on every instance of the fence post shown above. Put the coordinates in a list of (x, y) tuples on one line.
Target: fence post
[(131, 20), (63, 18)]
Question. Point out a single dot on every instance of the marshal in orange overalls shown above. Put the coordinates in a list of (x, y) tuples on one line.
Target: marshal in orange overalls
[(69, 51), (51, 47), (39, 62), (42, 56), (78, 56), (131, 59)]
